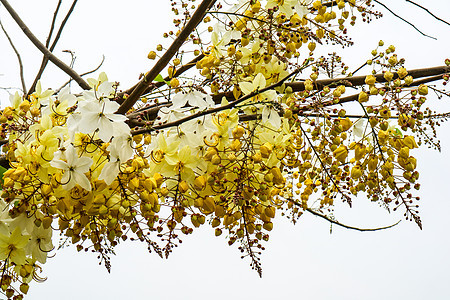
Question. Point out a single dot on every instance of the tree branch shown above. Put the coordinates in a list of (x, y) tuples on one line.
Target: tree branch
[(164, 60), (429, 12), (215, 109), (82, 74), (52, 26), (343, 225), (68, 70), (22, 79), (156, 85), (407, 22), (55, 41), (349, 81), (151, 112)]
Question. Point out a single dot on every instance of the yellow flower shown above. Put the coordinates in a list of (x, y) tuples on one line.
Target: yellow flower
[(341, 153), (12, 246)]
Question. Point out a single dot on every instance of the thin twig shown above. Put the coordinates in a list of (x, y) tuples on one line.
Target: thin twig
[(407, 22), (82, 74), (65, 68), (164, 60), (52, 26), (22, 79), (55, 41), (429, 12), (215, 109), (343, 225)]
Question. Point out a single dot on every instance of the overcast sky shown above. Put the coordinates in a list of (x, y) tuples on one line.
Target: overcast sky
[(303, 261)]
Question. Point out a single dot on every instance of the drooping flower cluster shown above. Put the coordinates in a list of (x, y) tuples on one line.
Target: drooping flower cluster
[(245, 142)]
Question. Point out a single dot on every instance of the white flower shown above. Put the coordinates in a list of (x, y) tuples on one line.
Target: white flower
[(258, 82), (359, 127), (60, 107), (101, 92), (97, 115), (194, 99), (271, 115), (40, 243), (15, 100), (110, 170), (41, 96), (74, 169), (120, 151), (170, 114), (289, 7)]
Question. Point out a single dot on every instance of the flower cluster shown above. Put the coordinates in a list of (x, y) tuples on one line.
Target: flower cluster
[(247, 141)]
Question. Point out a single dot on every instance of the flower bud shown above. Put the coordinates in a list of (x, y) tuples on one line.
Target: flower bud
[(151, 55), (363, 97), (402, 72), (370, 80), (408, 80), (388, 75), (423, 89)]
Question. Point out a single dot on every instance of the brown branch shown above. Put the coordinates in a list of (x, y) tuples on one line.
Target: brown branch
[(343, 225), (164, 60), (215, 109), (22, 79), (55, 41), (350, 81), (65, 68), (52, 26), (151, 112), (156, 85)]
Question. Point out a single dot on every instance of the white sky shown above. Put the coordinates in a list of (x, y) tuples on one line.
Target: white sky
[(302, 261)]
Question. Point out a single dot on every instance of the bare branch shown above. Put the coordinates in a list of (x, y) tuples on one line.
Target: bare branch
[(407, 22), (164, 60), (45, 59), (68, 70), (343, 225), (82, 74), (52, 26), (429, 12), (22, 79)]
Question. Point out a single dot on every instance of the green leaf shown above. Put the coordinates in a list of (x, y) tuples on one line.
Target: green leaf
[(159, 78), (2, 171)]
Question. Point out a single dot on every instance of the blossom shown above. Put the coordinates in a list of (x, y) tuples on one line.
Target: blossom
[(60, 107), (74, 168), (289, 7), (97, 116), (120, 151), (41, 96), (258, 82), (12, 246), (182, 162), (271, 115), (40, 243), (194, 99)]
